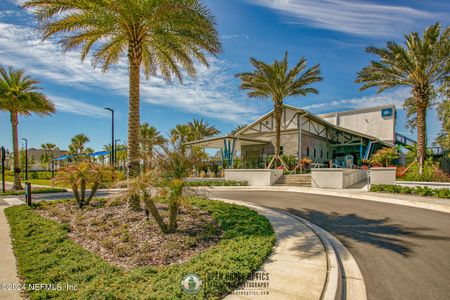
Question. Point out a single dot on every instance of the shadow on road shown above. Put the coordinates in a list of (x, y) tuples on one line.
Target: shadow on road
[(378, 232)]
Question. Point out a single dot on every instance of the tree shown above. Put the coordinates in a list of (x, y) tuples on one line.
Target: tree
[(47, 156), (422, 65), (150, 137), (77, 145), (20, 97), (160, 37), (277, 82), (81, 176), (201, 129), (181, 134), (238, 128)]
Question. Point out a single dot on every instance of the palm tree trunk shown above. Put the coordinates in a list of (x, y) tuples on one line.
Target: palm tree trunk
[(14, 124), (421, 136), (278, 111), (134, 113)]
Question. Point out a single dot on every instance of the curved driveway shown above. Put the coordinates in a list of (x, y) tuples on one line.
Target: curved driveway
[(403, 252)]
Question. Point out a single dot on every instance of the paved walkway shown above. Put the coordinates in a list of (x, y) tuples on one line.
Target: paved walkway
[(297, 268), (432, 203), (8, 271)]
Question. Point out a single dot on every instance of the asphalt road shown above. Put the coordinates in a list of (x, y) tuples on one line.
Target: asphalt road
[(403, 252)]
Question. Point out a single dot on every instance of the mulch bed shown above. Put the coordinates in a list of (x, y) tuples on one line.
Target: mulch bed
[(126, 239)]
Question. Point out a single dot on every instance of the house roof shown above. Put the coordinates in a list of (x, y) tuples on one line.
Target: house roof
[(317, 119)]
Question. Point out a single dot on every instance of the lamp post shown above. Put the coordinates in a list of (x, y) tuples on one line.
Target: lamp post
[(26, 158), (115, 147), (112, 157), (3, 153)]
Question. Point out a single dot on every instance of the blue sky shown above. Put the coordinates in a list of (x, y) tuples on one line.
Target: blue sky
[(333, 33)]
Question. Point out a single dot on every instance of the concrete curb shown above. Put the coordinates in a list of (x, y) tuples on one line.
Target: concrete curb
[(331, 289), (412, 203), (351, 282)]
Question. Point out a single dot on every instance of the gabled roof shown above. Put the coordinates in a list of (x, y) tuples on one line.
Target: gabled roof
[(315, 118)]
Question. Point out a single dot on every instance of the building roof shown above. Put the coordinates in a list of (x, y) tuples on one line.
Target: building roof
[(357, 111), (218, 142)]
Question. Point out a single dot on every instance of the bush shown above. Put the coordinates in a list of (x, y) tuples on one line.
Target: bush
[(45, 254), (216, 183), (421, 191)]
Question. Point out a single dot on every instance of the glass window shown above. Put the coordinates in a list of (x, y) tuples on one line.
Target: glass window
[(307, 151), (314, 152)]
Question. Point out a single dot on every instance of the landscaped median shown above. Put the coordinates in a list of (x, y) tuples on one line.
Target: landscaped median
[(34, 191), (48, 239), (418, 190)]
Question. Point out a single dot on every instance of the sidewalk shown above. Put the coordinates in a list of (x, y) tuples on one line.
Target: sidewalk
[(436, 204), (8, 271), (297, 268)]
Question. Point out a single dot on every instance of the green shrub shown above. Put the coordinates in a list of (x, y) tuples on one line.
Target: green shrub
[(216, 183), (421, 191), (45, 254)]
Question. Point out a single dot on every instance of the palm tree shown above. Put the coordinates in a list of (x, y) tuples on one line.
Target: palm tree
[(277, 82), (181, 134), (238, 128), (150, 137), (77, 145), (49, 150), (159, 37), (19, 96), (421, 65), (201, 129)]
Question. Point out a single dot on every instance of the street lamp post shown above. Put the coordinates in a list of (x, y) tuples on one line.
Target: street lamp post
[(3, 153), (26, 158), (113, 160), (115, 147)]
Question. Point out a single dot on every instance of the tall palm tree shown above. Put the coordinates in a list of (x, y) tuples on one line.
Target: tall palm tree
[(202, 129), (78, 144), (160, 37), (19, 96), (150, 137), (422, 65), (278, 82), (49, 150)]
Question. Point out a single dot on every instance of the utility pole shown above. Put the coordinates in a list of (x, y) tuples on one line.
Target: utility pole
[(113, 160), (3, 153), (26, 158)]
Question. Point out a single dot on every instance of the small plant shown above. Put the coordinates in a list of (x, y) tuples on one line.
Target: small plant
[(421, 191), (81, 175), (384, 157)]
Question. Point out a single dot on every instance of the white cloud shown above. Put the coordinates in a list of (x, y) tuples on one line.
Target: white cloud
[(77, 107), (353, 17), (396, 97), (213, 94)]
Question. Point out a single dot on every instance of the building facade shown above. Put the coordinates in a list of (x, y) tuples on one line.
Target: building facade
[(341, 138)]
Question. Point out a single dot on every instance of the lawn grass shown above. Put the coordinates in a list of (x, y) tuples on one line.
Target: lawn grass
[(34, 191), (46, 182), (45, 254)]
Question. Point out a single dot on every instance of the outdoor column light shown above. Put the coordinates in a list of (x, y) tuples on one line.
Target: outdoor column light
[(26, 158), (112, 156)]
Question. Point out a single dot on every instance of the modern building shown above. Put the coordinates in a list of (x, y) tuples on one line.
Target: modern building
[(344, 138)]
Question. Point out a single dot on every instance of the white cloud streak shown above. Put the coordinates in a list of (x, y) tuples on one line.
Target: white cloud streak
[(73, 106), (353, 17), (396, 97), (213, 94)]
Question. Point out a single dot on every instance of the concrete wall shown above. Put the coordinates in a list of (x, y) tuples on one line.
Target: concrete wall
[(368, 121), (382, 175), (254, 176), (333, 178)]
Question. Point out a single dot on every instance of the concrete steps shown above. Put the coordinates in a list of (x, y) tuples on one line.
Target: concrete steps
[(303, 180)]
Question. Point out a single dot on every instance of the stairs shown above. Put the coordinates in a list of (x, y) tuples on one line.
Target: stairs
[(303, 180)]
